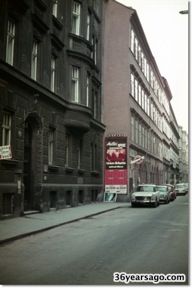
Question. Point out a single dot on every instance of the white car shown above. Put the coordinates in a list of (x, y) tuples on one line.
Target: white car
[(181, 189), (145, 194)]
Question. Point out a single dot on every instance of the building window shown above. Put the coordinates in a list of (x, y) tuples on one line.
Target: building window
[(140, 136), (132, 129), (143, 99), (95, 104), (132, 85), (6, 129), (136, 90), (143, 137), (88, 26), (95, 51), (136, 49), (88, 90), (93, 157), (136, 131), (79, 154), (75, 85), (51, 143), (139, 94), (76, 18), (34, 61), (67, 150), (10, 42), (53, 71), (146, 139), (132, 40), (55, 8)]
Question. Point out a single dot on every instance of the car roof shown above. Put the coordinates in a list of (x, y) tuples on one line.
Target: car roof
[(146, 185)]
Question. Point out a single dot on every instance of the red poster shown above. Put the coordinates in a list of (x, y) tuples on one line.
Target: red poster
[(116, 165)]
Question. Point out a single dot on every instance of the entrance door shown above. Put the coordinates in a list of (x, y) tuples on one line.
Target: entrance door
[(27, 166)]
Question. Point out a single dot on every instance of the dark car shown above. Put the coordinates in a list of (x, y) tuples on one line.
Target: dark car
[(164, 193), (172, 192)]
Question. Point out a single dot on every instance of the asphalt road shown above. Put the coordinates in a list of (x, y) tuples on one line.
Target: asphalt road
[(88, 252)]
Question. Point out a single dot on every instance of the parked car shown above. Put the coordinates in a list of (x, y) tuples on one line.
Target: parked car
[(187, 187), (164, 191), (172, 192), (181, 189), (145, 194)]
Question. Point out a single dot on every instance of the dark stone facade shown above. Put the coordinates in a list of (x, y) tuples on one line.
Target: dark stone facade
[(28, 180)]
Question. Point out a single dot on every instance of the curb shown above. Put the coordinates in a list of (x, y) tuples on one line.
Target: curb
[(14, 238)]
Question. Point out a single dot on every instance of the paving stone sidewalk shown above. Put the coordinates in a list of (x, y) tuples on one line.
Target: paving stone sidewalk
[(15, 228)]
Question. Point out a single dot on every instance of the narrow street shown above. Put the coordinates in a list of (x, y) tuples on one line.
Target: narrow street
[(88, 252)]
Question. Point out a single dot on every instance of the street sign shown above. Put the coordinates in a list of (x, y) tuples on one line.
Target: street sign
[(5, 152)]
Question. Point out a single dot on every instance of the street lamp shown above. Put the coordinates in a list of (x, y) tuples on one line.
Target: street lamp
[(184, 12)]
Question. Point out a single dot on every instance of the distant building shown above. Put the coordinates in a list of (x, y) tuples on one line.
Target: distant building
[(50, 104), (183, 156), (137, 100)]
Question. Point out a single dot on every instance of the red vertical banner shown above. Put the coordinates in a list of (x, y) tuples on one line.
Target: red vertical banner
[(116, 165)]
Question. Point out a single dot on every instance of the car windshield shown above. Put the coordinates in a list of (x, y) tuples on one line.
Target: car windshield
[(182, 185), (162, 188), (145, 188)]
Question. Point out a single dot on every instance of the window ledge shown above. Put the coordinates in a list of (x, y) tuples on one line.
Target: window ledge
[(81, 171), (10, 162), (53, 167), (57, 23), (69, 169), (95, 173)]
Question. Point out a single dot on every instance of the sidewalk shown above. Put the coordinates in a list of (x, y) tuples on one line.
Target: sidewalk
[(15, 228)]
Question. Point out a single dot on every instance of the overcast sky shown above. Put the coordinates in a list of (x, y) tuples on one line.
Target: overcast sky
[(166, 31)]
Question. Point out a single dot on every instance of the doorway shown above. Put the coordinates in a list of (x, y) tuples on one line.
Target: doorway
[(32, 154)]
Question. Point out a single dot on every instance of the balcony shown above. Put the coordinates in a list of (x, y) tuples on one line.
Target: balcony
[(77, 117)]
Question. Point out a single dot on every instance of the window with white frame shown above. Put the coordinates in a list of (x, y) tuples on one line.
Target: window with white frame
[(132, 40), (136, 49), (88, 90), (10, 42), (6, 129), (88, 26), (53, 71), (143, 99), (34, 60), (75, 85), (76, 18), (132, 85), (136, 90), (55, 8), (51, 146)]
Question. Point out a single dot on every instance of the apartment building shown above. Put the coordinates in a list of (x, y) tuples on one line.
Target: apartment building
[(183, 156), (137, 103), (50, 104)]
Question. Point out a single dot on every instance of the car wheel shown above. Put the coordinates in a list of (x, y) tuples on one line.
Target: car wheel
[(155, 204), (133, 205)]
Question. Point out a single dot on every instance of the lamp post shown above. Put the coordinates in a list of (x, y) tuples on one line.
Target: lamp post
[(184, 12)]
